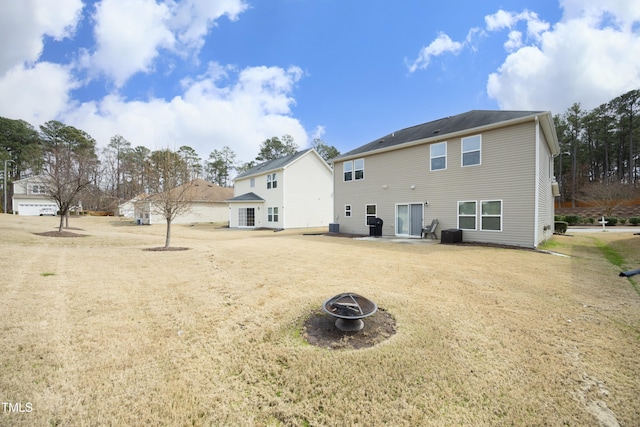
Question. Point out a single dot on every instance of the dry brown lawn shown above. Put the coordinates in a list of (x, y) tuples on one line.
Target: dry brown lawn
[(97, 331)]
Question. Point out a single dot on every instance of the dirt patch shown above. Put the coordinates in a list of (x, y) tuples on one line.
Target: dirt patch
[(60, 234), (320, 330), (163, 249)]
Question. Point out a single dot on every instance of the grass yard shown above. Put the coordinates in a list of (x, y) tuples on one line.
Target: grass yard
[(97, 331)]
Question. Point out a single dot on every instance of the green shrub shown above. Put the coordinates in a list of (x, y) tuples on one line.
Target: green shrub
[(572, 219), (611, 221), (560, 227), (591, 220), (634, 220), (622, 221)]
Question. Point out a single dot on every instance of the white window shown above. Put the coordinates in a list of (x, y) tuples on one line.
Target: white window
[(347, 169), (438, 156), (467, 215), (491, 215), (38, 189), (358, 166), (272, 214), (471, 148), (371, 211), (272, 181), (347, 210), (252, 182)]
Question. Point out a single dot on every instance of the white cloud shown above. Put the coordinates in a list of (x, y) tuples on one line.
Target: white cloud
[(514, 42), (508, 20), (24, 23), (192, 19), (318, 132), (590, 57), (35, 94), (442, 44), (129, 35), (500, 20), (624, 13), (224, 106), (206, 116)]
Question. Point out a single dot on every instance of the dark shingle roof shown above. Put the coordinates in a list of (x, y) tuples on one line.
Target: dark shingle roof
[(447, 125), (273, 164), (247, 197)]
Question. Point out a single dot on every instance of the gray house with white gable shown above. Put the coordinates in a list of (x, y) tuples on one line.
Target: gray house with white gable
[(487, 173)]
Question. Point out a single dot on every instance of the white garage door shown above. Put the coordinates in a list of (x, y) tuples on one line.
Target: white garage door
[(31, 209)]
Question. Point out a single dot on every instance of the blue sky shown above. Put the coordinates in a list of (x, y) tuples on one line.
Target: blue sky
[(210, 73)]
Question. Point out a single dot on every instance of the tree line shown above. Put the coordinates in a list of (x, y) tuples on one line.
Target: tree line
[(104, 178), (599, 151)]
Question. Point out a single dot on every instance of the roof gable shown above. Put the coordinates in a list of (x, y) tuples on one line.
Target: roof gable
[(273, 165), (247, 197), (199, 191), (439, 128)]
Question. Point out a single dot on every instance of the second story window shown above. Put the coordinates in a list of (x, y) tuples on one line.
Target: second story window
[(38, 189), (438, 156), (353, 169), (471, 149), (358, 166), (272, 181), (347, 169), (252, 182)]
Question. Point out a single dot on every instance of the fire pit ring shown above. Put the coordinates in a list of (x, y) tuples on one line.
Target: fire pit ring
[(349, 309)]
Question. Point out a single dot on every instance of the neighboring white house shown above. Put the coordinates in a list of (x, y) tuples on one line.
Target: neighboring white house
[(487, 173), (127, 209), (208, 206), (30, 197), (291, 192)]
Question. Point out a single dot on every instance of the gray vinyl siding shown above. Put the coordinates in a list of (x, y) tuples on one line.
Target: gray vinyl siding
[(506, 173)]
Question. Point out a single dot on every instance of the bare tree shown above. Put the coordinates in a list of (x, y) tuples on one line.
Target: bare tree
[(71, 164), (607, 195), (170, 183)]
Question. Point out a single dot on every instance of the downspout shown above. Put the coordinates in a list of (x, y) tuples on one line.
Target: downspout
[(537, 185)]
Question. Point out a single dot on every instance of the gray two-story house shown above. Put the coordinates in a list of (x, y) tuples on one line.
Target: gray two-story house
[(487, 173)]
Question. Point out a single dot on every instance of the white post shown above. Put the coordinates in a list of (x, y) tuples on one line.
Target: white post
[(603, 222)]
